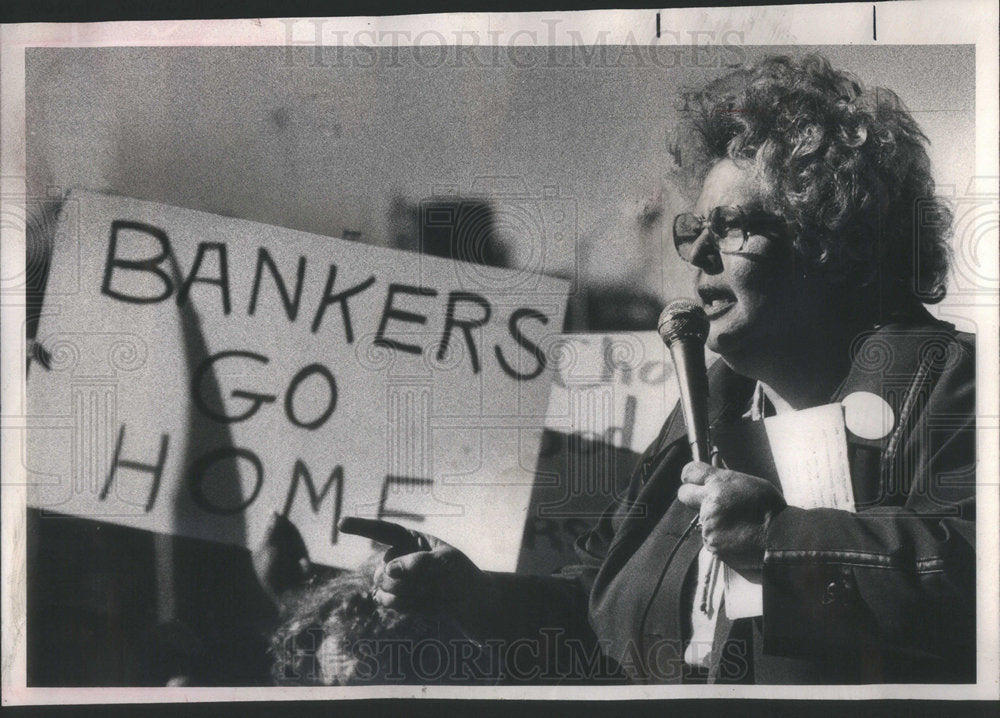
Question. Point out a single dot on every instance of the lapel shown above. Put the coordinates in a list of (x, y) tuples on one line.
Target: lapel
[(652, 549), (893, 369)]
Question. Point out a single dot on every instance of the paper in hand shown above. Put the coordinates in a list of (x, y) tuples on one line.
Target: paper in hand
[(809, 452)]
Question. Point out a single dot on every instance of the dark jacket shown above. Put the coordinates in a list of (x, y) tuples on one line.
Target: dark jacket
[(886, 594)]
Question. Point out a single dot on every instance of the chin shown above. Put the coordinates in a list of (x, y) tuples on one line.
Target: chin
[(735, 347), (712, 345), (724, 338)]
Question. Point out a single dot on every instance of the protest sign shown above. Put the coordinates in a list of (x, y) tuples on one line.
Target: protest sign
[(614, 388), (205, 372), (610, 396)]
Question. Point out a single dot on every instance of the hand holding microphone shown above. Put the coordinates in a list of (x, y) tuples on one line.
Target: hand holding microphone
[(734, 509)]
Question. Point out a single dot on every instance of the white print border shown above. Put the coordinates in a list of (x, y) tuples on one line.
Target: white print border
[(924, 22)]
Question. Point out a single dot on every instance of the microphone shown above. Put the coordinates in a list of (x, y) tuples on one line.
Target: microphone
[(683, 327)]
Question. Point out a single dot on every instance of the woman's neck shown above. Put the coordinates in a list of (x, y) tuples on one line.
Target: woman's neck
[(808, 382), (806, 372)]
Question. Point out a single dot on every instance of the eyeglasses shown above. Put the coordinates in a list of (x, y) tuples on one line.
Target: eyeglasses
[(728, 227)]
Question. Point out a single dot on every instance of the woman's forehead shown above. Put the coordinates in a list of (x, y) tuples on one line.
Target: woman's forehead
[(727, 183)]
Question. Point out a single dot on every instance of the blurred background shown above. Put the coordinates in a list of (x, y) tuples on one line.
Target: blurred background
[(351, 142)]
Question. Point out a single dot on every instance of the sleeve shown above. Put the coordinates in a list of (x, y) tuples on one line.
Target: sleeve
[(551, 613), (894, 580), (542, 634), (592, 546)]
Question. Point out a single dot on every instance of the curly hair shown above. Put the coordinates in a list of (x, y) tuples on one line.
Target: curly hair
[(846, 167), (334, 633)]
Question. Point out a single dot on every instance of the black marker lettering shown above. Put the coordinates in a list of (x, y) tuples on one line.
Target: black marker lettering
[(150, 265), (389, 312), (303, 374), (336, 480), (291, 305), (467, 325), (199, 398), (196, 477), (342, 298), (155, 469), (515, 331), (222, 281)]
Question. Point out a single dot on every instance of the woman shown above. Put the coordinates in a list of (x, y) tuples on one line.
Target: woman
[(812, 270)]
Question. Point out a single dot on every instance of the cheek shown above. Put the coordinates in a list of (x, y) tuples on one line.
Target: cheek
[(767, 296), (752, 282)]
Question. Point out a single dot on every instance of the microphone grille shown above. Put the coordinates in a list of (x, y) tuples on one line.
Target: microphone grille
[(683, 319)]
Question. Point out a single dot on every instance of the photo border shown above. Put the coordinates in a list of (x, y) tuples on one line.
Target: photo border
[(924, 22)]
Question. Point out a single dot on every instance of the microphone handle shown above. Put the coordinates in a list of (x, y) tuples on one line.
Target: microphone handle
[(689, 365)]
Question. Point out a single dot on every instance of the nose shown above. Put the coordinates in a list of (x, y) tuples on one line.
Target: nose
[(705, 253)]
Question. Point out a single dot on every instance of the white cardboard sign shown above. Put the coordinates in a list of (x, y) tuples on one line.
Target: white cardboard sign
[(617, 388), (205, 372)]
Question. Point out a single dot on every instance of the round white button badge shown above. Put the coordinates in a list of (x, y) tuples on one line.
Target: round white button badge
[(867, 415)]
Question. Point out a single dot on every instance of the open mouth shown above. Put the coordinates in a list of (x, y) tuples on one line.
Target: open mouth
[(716, 301)]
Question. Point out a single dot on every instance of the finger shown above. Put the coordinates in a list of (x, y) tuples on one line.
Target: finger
[(413, 565), (398, 550), (378, 574), (691, 495), (404, 587), (385, 532), (390, 600), (696, 472)]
